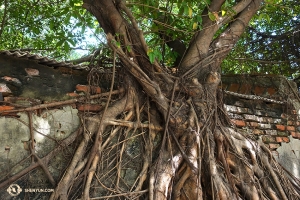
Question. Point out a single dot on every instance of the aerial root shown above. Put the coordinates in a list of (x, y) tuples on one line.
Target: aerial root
[(263, 175), (95, 162), (164, 173)]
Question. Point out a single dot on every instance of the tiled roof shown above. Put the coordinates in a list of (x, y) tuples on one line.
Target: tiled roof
[(40, 59)]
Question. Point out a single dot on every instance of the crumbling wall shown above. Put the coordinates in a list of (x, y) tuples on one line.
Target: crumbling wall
[(30, 83), (276, 123), (50, 127), (27, 78)]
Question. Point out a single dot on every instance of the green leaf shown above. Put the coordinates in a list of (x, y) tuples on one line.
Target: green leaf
[(66, 46), (72, 42), (223, 12), (186, 9), (78, 4), (195, 25), (190, 12), (59, 43), (211, 16), (264, 16), (151, 57), (128, 48)]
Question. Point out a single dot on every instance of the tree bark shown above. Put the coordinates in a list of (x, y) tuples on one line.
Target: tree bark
[(199, 155)]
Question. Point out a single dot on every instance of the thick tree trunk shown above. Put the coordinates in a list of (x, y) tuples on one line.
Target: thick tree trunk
[(187, 148)]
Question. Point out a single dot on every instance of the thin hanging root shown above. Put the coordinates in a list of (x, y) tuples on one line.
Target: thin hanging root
[(143, 175), (221, 156), (146, 163), (65, 182), (102, 124), (119, 164), (181, 182), (274, 177), (93, 167), (218, 187), (90, 177)]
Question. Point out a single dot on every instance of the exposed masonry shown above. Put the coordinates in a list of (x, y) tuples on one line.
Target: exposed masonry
[(254, 97), (256, 104), (267, 119)]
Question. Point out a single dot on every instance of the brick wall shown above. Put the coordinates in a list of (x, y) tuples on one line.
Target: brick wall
[(271, 86), (28, 82), (271, 122)]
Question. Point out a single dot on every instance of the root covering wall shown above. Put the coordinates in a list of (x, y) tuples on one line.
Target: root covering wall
[(26, 83)]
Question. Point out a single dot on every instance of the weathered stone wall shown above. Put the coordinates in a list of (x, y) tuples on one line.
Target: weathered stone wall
[(27, 78), (50, 127), (277, 125), (271, 86), (30, 83)]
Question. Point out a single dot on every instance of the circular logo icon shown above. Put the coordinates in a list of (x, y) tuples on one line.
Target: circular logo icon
[(14, 190)]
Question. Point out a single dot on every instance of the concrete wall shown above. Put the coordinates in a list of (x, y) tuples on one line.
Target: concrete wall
[(289, 156), (14, 136)]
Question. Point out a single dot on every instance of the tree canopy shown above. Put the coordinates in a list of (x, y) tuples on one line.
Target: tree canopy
[(170, 56), (64, 30)]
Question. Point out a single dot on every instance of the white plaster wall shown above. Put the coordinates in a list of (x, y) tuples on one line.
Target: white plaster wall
[(289, 156), (14, 132)]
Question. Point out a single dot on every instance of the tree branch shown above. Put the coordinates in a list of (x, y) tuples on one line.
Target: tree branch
[(4, 19), (231, 35)]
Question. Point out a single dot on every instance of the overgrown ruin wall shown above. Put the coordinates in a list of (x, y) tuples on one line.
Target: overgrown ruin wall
[(30, 83), (276, 123)]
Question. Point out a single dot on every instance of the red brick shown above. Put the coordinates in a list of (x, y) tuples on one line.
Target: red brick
[(286, 139), (88, 89), (245, 89), (11, 79), (290, 128), (280, 127), (282, 139), (32, 72), (274, 146), (271, 91), (259, 90), (82, 88), (234, 87), (3, 108), (4, 89), (295, 134), (73, 94), (95, 90), (89, 107), (239, 123)]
